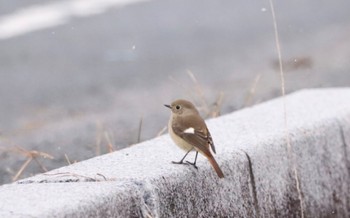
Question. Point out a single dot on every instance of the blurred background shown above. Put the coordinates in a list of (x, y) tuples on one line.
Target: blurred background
[(80, 78)]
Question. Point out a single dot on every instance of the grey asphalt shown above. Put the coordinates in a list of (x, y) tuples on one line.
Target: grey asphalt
[(124, 64)]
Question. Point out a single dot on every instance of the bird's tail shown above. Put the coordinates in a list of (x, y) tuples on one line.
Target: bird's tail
[(216, 167)]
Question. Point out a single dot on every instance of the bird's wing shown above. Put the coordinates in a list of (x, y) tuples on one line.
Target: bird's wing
[(194, 133), (211, 142)]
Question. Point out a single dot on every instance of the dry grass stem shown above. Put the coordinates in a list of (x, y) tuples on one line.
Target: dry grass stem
[(139, 130), (67, 159), (162, 131), (251, 93), (200, 93), (289, 146), (43, 168), (99, 174), (197, 94), (181, 85), (149, 211), (99, 133), (23, 167), (28, 154), (109, 142), (103, 135), (209, 111), (31, 155), (216, 109), (78, 176)]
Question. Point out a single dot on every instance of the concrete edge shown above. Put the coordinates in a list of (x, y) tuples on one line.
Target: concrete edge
[(259, 169)]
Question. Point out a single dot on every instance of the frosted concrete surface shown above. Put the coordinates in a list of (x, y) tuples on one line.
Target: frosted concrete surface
[(251, 150)]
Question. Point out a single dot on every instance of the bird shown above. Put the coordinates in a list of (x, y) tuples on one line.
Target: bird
[(189, 132)]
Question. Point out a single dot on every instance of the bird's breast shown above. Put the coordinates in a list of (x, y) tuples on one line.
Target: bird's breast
[(177, 139)]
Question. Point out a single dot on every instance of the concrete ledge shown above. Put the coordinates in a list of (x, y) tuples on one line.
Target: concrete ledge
[(252, 151)]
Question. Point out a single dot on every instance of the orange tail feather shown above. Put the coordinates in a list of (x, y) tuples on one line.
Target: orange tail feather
[(216, 167)]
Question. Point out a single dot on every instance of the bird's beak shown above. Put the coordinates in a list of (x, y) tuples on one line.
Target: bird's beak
[(166, 105)]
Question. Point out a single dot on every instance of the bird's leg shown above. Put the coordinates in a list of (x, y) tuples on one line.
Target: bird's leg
[(195, 160), (182, 160)]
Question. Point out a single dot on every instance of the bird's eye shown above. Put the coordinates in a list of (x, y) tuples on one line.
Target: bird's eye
[(177, 107)]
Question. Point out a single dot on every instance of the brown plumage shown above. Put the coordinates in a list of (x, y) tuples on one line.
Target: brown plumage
[(189, 131)]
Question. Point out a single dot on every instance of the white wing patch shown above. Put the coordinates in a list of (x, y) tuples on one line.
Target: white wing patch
[(189, 130)]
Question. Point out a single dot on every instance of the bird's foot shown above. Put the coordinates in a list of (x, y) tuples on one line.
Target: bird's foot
[(193, 164), (179, 162)]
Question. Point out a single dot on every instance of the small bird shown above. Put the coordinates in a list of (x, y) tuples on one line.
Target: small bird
[(189, 131)]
